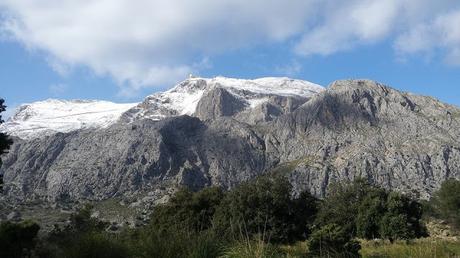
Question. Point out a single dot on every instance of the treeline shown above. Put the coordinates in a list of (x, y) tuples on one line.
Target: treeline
[(256, 219)]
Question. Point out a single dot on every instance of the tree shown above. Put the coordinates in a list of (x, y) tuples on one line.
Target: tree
[(5, 142), (17, 239), (446, 201), (402, 218), (188, 210), (369, 212), (81, 224), (342, 203), (265, 206)]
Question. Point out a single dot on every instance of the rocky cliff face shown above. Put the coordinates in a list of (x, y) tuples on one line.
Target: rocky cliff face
[(364, 129), (355, 128)]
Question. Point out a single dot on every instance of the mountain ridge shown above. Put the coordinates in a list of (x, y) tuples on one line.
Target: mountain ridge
[(353, 129), (46, 117)]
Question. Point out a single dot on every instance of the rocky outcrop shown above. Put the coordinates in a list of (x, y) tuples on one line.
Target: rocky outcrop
[(356, 128), (130, 159), (361, 128), (219, 102)]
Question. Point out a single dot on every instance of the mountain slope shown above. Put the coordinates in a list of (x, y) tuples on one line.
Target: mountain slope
[(360, 128), (355, 128), (183, 99), (47, 117)]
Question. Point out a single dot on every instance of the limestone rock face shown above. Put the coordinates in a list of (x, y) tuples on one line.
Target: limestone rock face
[(355, 128), (361, 128), (218, 102)]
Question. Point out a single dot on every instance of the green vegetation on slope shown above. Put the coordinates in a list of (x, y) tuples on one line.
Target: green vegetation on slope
[(260, 218)]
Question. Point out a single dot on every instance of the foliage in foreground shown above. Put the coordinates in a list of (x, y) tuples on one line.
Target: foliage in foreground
[(5, 142), (188, 210), (17, 239), (422, 248), (446, 202), (333, 241), (256, 219), (252, 249), (370, 212), (266, 207)]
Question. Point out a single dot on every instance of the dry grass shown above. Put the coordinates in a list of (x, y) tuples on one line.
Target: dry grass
[(421, 248)]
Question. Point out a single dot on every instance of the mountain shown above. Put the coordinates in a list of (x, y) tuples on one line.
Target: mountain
[(47, 117), (226, 131), (51, 116), (237, 95)]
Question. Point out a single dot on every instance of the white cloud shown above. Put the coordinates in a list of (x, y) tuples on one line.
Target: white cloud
[(148, 43), (347, 24), (443, 33), (145, 43)]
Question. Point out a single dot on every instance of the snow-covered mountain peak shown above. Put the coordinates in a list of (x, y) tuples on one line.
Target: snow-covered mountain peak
[(267, 85), (183, 98), (52, 115), (281, 86)]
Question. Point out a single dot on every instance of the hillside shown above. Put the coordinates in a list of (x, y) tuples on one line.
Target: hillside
[(225, 131)]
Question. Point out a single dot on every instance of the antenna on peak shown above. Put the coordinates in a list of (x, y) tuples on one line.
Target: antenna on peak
[(191, 76)]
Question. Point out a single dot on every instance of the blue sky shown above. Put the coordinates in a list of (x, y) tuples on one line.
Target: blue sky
[(117, 51)]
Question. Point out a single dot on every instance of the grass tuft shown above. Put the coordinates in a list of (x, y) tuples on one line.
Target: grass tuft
[(421, 248)]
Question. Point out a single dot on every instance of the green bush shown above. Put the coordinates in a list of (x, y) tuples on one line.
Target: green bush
[(369, 212), (94, 244), (5, 142), (402, 218), (82, 233), (17, 239), (265, 207), (332, 241), (446, 202), (188, 210), (80, 224), (341, 205)]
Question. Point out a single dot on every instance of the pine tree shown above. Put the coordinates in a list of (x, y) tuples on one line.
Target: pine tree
[(5, 142)]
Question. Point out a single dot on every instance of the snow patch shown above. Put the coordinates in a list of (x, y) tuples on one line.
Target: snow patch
[(51, 116), (184, 97)]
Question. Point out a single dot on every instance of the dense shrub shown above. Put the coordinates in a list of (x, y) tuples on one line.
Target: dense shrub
[(5, 142), (17, 239), (94, 244), (341, 205), (369, 212), (188, 210), (402, 218), (248, 221), (81, 223), (446, 202), (265, 206), (332, 241), (84, 236)]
